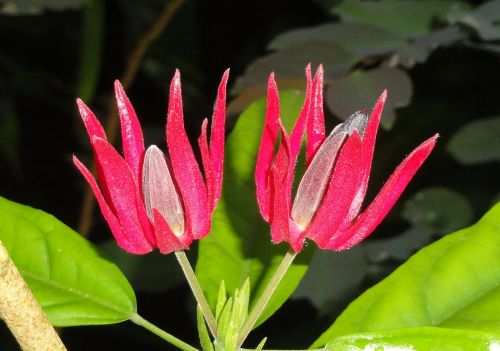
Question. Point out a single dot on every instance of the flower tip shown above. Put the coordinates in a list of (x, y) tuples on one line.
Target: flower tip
[(383, 96), (118, 87)]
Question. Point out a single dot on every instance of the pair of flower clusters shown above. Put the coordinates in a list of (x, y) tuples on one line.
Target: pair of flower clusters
[(153, 201)]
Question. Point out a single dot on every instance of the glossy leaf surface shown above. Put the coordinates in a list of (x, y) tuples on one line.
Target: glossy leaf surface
[(418, 339), (70, 278), (452, 283)]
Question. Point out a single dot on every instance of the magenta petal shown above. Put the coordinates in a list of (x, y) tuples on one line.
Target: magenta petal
[(186, 170), (94, 128), (123, 192), (166, 239), (266, 148), (280, 173), (133, 142), (386, 198), (368, 143), (338, 197), (300, 125), (316, 119), (217, 137), (208, 167), (122, 238)]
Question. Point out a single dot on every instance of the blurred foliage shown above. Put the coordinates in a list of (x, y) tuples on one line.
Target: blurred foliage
[(438, 60)]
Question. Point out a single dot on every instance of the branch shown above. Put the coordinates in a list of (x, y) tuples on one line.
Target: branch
[(21, 312)]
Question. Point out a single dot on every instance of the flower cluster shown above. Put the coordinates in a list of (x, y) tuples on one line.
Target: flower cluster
[(326, 207), (150, 200)]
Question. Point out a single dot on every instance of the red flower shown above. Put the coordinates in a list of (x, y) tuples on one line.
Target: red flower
[(327, 204), (150, 200)]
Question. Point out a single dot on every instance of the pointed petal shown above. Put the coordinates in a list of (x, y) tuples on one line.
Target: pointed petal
[(386, 198), (92, 124), (121, 236), (123, 192), (160, 192), (166, 239), (280, 172), (266, 148), (300, 124), (369, 137), (133, 142), (338, 197), (208, 166), (185, 168), (217, 137), (316, 120)]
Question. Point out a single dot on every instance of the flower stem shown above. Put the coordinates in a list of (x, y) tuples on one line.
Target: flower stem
[(197, 292), (161, 333), (266, 295)]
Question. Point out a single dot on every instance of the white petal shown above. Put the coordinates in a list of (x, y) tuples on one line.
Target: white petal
[(159, 190)]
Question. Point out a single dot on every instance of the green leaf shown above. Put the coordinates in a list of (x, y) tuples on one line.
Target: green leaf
[(477, 142), (357, 38), (452, 283), (407, 18), (360, 89), (418, 339), (239, 246), (484, 19), (440, 209), (290, 63), (205, 341), (70, 278), (332, 276), (221, 300)]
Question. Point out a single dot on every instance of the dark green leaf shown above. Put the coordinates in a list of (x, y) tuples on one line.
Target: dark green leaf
[(484, 19), (419, 50), (477, 142), (407, 18), (331, 276), (400, 247), (71, 280), (291, 63), (452, 283), (360, 89), (418, 339), (440, 209), (359, 39), (239, 246)]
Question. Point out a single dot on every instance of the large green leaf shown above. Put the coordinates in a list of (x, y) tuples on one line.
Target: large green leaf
[(239, 245), (360, 39), (291, 62), (418, 339), (407, 18), (71, 280), (452, 283)]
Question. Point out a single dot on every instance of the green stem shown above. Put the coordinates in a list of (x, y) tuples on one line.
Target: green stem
[(197, 292), (323, 349), (161, 333), (266, 295)]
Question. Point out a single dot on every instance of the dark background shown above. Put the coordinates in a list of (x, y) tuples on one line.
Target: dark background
[(41, 60)]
